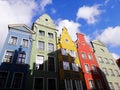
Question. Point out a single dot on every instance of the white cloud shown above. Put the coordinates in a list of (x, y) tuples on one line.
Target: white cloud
[(111, 36), (53, 11), (44, 3), (89, 13), (116, 56), (72, 27)]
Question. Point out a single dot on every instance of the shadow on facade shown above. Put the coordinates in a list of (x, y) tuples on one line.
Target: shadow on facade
[(45, 75), (13, 74), (99, 75)]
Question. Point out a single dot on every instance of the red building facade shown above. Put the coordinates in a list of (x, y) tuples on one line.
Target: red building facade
[(92, 73)]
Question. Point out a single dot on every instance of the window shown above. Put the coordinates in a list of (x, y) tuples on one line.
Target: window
[(51, 84), (41, 33), (117, 73), (117, 87), (102, 50), (105, 71), (111, 62), (25, 43), (17, 80), (91, 83), (111, 85), (106, 60), (100, 59), (90, 56), (41, 45), (3, 79), (78, 85), (99, 84), (64, 51), (51, 64), (21, 58), (68, 84), (50, 47), (50, 35), (94, 69), (87, 68), (111, 72), (8, 56), (66, 65), (75, 67), (39, 62), (83, 55), (72, 53), (38, 84), (13, 40)]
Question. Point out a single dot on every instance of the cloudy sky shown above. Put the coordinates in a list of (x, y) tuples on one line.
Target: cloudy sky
[(96, 19)]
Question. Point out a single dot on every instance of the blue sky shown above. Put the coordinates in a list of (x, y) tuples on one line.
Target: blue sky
[(96, 19)]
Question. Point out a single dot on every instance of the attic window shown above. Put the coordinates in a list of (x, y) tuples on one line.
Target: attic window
[(46, 19), (66, 40)]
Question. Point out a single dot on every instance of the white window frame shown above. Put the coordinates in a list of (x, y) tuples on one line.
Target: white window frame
[(92, 85), (87, 71), (66, 65), (105, 71), (42, 31), (83, 55), (49, 36), (111, 85), (90, 56), (12, 42), (40, 62), (5, 54), (75, 67), (100, 59), (49, 50), (78, 85), (24, 44), (43, 48), (111, 72)]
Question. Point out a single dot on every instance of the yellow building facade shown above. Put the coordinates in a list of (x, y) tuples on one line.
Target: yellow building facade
[(70, 72)]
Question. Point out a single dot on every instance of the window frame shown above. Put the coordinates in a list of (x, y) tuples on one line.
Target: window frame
[(87, 71), (83, 55), (13, 40), (49, 47), (6, 78), (23, 45), (49, 35), (55, 83), (13, 80), (54, 64), (43, 32), (5, 54), (34, 82), (38, 61), (38, 47)]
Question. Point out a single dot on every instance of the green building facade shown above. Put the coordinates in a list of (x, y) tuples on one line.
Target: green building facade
[(107, 64), (43, 72)]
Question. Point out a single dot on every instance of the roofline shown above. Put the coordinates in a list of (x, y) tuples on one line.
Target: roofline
[(13, 25)]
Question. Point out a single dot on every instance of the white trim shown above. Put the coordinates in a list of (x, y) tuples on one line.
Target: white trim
[(55, 82), (43, 61), (5, 54), (10, 39), (22, 41), (13, 79), (88, 67)]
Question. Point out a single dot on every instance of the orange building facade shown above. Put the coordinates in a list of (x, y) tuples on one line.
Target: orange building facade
[(92, 73)]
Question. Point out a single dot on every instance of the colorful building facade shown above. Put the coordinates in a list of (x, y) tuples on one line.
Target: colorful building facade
[(14, 60), (43, 73), (92, 73), (107, 64), (70, 73)]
